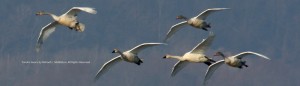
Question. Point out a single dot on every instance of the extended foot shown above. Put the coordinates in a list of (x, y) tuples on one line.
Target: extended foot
[(208, 25), (138, 63), (205, 29), (244, 63), (240, 67)]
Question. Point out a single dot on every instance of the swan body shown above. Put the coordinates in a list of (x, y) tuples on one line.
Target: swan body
[(68, 19), (233, 61), (198, 22), (130, 56), (195, 56)]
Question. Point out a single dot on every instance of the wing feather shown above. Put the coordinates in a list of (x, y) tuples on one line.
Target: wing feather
[(174, 29), (178, 66), (243, 54), (207, 12), (204, 45), (143, 46), (211, 69), (45, 33), (74, 10), (107, 65)]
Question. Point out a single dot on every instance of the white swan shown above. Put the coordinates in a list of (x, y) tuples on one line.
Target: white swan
[(196, 55), (128, 56), (233, 61), (68, 19), (197, 22)]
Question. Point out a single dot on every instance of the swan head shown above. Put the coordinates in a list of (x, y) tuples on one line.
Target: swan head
[(181, 17), (166, 56), (115, 51), (219, 54), (40, 13)]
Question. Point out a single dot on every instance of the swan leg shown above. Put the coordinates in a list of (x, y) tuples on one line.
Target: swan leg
[(241, 67), (207, 63), (244, 64), (208, 25), (139, 62), (204, 29), (210, 59)]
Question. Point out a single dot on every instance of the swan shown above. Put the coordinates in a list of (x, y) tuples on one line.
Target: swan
[(128, 56), (233, 61), (68, 19), (196, 55), (197, 22)]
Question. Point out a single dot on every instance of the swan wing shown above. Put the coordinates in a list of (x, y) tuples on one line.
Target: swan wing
[(204, 45), (107, 65), (178, 66), (45, 33), (143, 46), (207, 12), (211, 69), (174, 29), (243, 54), (74, 10)]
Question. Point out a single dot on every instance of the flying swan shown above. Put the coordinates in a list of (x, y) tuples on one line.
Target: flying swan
[(233, 61), (68, 19), (197, 22), (128, 56), (196, 55)]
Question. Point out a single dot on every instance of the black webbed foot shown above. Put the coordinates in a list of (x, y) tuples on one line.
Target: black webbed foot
[(205, 29), (241, 67), (207, 63), (244, 64), (208, 25), (139, 62)]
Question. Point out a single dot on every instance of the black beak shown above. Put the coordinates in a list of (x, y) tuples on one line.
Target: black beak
[(113, 52), (164, 57)]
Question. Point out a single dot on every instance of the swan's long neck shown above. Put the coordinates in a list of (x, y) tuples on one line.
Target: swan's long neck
[(183, 17), (175, 57), (119, 52), (56, 18), (222, 55)]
